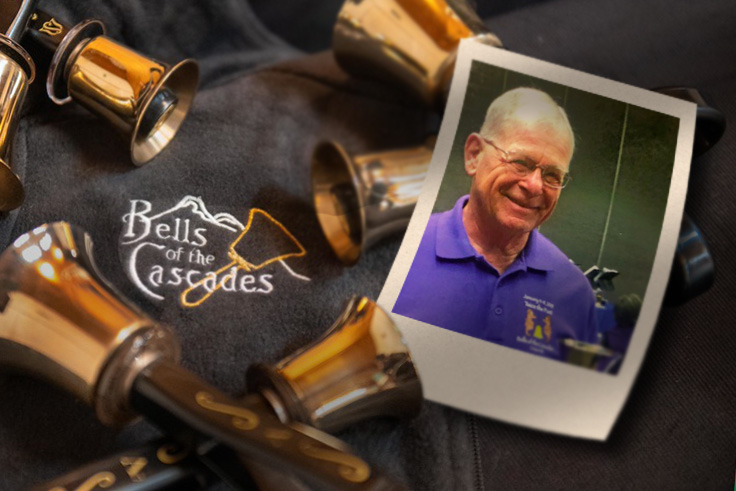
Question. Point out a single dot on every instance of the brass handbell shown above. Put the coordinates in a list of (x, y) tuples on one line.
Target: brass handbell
[(16, 73), (61, 320), (363, 367), (362, 199), (359, 369), (587, 355), (144, 99), (411, 43)]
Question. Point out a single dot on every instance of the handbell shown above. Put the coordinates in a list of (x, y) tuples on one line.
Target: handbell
[(411, 43), (84, 337), (359, 369), (588, 355), (376, 369), (16, 73), (146, 100), (61, 320), (362, 199)]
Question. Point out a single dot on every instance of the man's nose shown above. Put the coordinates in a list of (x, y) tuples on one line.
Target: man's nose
[(533, 182)]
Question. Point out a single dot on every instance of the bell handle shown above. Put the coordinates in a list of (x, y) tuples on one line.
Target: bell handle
[(158, 465), (179, 403)]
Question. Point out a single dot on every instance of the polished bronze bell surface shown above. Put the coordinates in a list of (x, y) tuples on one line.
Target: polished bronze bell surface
[(17, 71), (360, 368), (146, 100), (62, 321), (410, 43), (15, 75), (361, 199)]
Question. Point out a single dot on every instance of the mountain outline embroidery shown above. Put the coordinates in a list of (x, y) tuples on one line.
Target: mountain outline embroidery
[(186, 238)]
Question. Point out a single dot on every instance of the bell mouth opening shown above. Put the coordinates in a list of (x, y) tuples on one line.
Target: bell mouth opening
[(338, 201), (710, 124), (164, 111), (19, 55), (278, 392), (11, 189)]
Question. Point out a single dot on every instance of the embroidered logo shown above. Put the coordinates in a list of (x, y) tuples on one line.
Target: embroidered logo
[(548, 328), (537, 325), (529, 324), (186, 252)]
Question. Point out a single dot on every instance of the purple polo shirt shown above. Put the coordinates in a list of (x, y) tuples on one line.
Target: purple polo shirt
[(539, 300)]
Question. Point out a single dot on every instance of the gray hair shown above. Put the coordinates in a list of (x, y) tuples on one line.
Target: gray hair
[(525, 104)]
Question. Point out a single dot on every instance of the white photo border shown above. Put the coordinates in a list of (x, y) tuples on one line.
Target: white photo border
[(509, 385)]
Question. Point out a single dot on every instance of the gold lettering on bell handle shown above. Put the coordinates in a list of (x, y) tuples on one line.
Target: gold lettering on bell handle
[(51, 27), (171, 453), (276, 436), (133, 467), (100, 480), (243, 419), (351, 468)]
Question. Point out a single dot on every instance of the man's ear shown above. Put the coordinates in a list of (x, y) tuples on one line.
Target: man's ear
[(473, 153)]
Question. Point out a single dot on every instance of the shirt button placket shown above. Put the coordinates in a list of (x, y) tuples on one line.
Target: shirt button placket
[(496, 326), (498, 312)]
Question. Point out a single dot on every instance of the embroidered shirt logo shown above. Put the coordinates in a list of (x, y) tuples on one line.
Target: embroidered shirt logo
[(537, 325), (188, 253)]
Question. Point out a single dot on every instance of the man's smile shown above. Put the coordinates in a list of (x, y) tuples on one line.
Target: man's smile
[(521, 203)]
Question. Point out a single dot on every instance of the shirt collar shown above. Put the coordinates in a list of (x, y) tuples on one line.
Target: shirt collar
[(452, 242), (538, 253), (452, 239)]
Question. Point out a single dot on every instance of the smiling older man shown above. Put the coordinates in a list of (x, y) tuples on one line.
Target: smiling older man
[(482, 268)]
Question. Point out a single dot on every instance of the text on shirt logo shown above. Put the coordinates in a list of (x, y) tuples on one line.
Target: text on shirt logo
[(537, 325), (188, 252)]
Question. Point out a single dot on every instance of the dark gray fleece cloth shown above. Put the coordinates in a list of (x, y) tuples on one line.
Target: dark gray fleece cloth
[(262, 107)]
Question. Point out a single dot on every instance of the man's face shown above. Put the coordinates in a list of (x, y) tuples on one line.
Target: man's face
[(516, 203)]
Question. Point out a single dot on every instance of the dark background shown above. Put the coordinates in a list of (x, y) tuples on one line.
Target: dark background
[(264, 103), (637, 196), (309, 26)]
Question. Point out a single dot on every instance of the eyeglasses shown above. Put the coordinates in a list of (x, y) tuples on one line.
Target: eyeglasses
[(552, 176)]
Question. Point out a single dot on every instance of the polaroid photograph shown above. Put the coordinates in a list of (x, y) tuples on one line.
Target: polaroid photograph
[(533, 269)]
